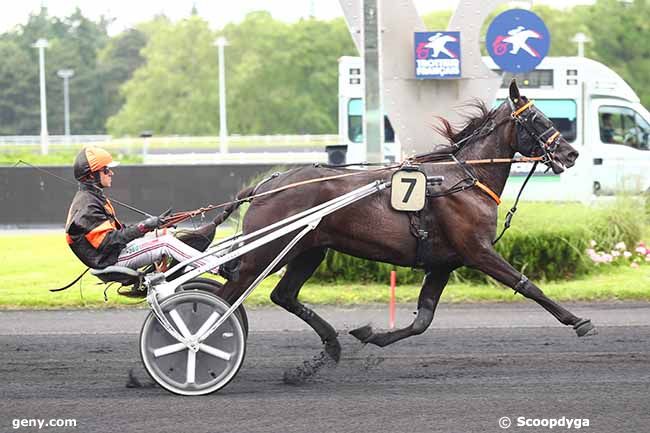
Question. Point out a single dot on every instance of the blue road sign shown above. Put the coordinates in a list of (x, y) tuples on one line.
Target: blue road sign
[(437, 55), (517, 40)]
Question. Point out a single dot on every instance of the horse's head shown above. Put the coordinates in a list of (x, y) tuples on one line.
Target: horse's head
[(536, 135)]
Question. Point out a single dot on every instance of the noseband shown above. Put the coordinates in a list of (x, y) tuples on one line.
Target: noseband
[(548, 140)]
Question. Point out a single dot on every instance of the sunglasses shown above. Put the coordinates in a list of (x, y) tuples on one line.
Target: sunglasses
[(107, 171)]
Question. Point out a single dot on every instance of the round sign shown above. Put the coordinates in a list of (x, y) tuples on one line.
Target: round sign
[(517, 40)]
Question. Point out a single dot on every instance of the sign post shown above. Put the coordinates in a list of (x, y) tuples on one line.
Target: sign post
[(410, 103), (373, 116)]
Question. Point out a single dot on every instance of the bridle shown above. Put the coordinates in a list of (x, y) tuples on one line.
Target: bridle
[(548, 140)]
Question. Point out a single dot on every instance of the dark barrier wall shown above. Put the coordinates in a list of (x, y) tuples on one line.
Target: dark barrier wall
[(29, 197)]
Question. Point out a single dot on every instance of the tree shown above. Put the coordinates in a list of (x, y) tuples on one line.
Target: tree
[(116, 64), (17, 91), (624, 45), (314, 74), (281, 78), (290, 72), (174, 91), (74, 42), (563, 27)]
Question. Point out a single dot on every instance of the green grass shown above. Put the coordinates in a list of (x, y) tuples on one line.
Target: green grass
[(34, 263), (623, 284)]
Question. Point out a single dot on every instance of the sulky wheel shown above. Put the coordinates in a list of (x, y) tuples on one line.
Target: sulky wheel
[(213, 286), (183, 371)]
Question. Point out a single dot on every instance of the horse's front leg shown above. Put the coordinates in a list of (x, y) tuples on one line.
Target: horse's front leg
[(286, 293), (432, 287), (490, 262)]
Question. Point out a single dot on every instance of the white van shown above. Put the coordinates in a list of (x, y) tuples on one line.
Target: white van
[(351, 114), (599, 114), (593, 107)]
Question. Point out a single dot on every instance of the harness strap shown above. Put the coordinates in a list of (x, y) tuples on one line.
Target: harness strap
[(420, 229), (182, 216), (523, 108), (488, 191), (552, 138), (521, 284), (263, 181), (511, 212)]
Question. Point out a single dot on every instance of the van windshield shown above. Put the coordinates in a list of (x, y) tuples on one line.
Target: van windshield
[(623, 125), (355, 123), (562, 112)]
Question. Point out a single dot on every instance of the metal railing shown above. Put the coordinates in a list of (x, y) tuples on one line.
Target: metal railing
[(242, 149), (35, 140), (136, 144)]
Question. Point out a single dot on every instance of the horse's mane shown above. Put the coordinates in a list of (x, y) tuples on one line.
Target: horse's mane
[(472, 122)]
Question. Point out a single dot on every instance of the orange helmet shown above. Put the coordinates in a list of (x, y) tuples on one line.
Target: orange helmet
[(92, 160)]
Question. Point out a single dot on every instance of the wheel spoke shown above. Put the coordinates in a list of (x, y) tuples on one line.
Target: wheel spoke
[(167, 350), (208, 323), (215, 352), (191, 366), (180, 324)]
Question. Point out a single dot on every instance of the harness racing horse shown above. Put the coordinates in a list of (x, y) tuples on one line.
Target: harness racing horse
[(463, 224)]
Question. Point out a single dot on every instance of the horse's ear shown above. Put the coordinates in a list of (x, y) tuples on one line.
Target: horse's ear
[(514, 91)]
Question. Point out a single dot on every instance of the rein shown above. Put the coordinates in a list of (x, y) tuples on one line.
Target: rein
[(548, 146), (179, 217), (487, 161), (513, 209), (182, 216), (429, 158)]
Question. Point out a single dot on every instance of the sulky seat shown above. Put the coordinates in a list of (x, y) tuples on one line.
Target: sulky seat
[(118, 274)]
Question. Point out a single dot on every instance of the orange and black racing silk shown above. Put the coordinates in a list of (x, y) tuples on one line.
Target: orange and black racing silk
[(93, 232)]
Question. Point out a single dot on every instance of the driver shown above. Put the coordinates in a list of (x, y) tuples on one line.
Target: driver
[(97, 237), (607, 130)]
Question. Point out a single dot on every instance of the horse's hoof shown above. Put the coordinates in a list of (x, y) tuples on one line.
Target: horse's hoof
[(333, 349), (362, 334), (584, 328)]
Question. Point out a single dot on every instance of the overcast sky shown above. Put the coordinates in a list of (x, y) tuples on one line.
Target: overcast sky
[(217, 12)]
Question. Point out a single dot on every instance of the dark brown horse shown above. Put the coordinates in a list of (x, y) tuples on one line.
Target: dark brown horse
[(463, 224)]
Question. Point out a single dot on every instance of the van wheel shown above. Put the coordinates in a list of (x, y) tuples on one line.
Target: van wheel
[(597, 188)]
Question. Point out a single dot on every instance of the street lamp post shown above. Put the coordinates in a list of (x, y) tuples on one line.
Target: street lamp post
[(66, 74), (41, 44), (223, 126)]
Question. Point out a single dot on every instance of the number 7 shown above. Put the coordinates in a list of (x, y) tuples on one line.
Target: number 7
[(409, 191)]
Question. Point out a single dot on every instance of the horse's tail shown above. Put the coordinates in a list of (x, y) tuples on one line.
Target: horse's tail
[(247, 192)]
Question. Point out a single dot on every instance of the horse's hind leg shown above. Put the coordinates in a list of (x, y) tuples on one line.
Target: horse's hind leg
[(286, 292), (432, 287), (491, 263)]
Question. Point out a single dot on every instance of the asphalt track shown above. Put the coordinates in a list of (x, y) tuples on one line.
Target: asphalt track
[(476, 364)]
